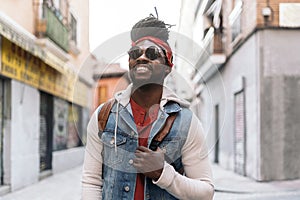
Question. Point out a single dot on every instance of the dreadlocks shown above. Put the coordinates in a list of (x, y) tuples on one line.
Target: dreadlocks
[(150, 26), (155, 30)]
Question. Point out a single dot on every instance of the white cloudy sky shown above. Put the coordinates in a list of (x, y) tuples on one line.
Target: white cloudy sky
[(111, 17)]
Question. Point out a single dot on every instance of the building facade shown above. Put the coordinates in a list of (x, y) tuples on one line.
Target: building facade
[(247, 85), (45, 88), (110, 79)]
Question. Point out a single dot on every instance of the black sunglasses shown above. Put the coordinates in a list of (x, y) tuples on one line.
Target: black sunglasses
[(151, 52)]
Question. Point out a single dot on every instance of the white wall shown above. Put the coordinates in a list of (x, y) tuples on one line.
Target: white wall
[(220, 90), (67, 159), (24, 149)]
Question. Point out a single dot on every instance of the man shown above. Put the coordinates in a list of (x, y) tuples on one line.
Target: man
[(119, 163)]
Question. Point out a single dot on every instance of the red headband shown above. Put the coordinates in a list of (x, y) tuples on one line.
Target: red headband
[(160, 43)]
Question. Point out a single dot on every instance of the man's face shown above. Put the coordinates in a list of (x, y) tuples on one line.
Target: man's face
[(147, 64)]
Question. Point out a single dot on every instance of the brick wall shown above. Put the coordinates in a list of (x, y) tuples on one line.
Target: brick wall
[(251, 18), (274, 4)]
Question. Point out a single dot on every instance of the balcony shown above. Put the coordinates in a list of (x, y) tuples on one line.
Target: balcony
[(51, 26), (211, 58), (207, 47)]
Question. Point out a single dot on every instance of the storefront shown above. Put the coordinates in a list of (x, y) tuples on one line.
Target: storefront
[(66, 125), (42, 105)]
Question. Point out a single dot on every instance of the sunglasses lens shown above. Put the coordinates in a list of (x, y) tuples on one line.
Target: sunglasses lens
[(152, 53), (135, 53)]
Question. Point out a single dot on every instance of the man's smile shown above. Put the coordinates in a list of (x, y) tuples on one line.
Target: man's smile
[(142, 69)]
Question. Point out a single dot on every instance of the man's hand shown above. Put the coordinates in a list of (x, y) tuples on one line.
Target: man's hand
[(148, 162)]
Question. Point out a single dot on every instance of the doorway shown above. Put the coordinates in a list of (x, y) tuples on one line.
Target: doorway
[(46, 131)]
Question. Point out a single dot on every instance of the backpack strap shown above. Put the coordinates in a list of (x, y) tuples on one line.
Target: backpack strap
[(159, 137), (104, 114)]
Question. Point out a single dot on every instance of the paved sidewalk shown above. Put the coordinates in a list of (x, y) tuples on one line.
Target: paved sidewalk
[(228, 185), (62, 186), (227, 181)]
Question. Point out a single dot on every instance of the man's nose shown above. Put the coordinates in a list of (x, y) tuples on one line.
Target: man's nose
[(143, 57)]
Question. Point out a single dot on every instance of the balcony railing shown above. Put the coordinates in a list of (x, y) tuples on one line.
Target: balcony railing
[(55, 29)]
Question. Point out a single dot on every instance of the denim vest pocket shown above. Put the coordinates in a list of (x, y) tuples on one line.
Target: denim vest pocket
[(112, 156)]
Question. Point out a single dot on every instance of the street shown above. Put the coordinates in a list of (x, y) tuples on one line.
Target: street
[(66, 186)]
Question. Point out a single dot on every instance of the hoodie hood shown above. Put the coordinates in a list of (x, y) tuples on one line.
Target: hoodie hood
[(169, 95), (123, 97)]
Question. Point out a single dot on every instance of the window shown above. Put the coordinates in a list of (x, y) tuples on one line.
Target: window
[(239, 133), (74, 121), (57, 12), (60, 128), (217, 135), (56, 3), (289, 14), (67, 125), (64, 9), (73, 26), (235, 19), (102, 94)]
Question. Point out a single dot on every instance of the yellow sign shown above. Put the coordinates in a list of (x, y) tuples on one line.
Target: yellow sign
[(80, 93), (21, 65), (47, 79)]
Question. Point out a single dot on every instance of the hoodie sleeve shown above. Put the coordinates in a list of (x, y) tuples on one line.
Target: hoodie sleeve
[(92, 166), (197, 182)]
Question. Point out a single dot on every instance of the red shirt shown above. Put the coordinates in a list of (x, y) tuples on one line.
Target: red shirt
[(143, 121)]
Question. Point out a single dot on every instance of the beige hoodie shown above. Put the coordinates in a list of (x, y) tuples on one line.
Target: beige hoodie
[(196, 183)]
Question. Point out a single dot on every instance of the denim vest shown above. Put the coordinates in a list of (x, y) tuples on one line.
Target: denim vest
[(119, 176)]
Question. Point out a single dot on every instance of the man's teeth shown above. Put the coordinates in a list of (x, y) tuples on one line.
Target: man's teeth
[(142, 69)]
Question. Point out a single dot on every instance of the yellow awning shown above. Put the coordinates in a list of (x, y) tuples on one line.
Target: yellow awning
[(26, 40)]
